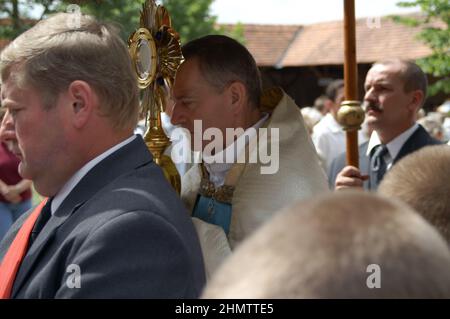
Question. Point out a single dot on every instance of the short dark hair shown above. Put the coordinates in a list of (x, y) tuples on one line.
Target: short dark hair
[(223, 60), (333, 88), (319, 103)]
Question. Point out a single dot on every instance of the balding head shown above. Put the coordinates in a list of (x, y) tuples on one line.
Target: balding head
[(323, 248), (422, 181)]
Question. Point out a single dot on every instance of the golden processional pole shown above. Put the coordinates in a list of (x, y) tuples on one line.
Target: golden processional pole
[(350, 115), (156, 54)]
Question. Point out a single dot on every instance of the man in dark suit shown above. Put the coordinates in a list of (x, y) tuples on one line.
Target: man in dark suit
[(113, 227), (395, 91)]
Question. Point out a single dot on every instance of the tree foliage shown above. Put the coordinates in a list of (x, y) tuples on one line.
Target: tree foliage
[(435, 20), (18, 12), (191, 18), (123, 13)]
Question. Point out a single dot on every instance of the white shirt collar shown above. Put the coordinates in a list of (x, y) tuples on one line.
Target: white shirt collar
[(76, 178), (393, 146), (218, 165)]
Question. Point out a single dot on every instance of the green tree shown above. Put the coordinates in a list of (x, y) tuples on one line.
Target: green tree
[(18, 14), (435, 20), (124, 13), (191, 18)]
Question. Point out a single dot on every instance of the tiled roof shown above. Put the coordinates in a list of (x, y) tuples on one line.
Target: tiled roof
[(268, 43), (322, 43), (7, 21)]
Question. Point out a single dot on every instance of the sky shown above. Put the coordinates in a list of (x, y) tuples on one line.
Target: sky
[(294, 11), (299, 11)]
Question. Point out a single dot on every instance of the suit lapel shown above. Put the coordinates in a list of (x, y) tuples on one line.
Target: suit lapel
[(418, 139), (129, 157), (45, 238)]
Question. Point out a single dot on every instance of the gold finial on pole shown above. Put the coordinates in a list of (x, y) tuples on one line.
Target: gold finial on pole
[(350, 115)]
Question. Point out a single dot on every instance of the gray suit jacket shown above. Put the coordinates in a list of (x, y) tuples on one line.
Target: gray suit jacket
[(417, 140), (124, 227)]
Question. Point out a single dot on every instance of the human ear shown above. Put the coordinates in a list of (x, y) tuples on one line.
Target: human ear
[(237, 96), (82, 99), (417, 98)]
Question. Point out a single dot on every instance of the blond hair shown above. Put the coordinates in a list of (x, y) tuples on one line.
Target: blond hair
[(57, 51), (322, 248), (422, 180)]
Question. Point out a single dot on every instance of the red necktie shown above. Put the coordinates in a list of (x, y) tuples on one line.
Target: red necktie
[(16, 252)]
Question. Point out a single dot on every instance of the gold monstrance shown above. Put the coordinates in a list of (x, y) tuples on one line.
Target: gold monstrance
[(156, 53)]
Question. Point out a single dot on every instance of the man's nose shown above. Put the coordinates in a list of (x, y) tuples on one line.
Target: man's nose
[(369, 96), (177, 117), (7, 132)]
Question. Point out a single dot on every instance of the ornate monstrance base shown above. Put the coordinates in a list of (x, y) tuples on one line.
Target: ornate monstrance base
[(157, 142), (170, 172)]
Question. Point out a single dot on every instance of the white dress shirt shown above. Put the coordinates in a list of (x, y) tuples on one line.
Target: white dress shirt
[(393, 146), (329, 139), (218, 165)]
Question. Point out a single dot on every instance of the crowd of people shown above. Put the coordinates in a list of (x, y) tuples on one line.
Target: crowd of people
[(111, 226)]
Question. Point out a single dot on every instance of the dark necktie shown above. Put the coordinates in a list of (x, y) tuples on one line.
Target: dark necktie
[(377, 166), (45, 215)]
